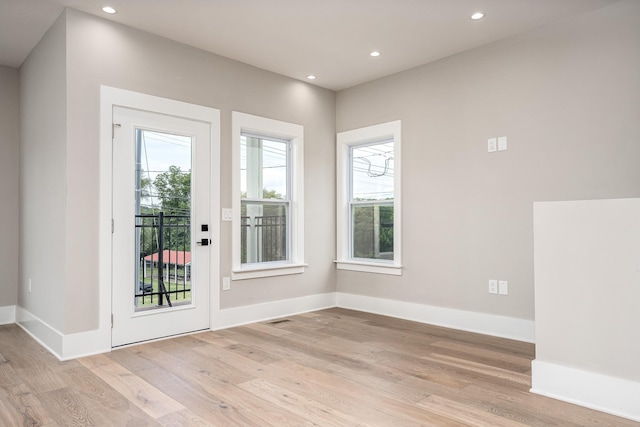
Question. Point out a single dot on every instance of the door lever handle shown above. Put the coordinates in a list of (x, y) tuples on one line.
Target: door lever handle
[(203, 242)]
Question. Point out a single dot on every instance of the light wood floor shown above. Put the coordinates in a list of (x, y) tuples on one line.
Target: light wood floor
[(329, 368)]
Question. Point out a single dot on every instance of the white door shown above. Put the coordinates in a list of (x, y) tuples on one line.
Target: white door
[(161, 205)]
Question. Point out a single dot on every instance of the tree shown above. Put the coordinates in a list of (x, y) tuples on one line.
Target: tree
[(173, 188)]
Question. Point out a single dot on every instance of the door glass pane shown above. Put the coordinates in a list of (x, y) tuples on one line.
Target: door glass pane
[(163, 220)]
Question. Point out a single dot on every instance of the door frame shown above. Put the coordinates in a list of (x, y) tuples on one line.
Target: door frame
[(110, 97)]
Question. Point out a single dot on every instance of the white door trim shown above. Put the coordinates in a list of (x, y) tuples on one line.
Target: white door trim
[(110, 97)]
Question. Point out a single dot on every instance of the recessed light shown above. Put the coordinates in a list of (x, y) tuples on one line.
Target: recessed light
[(311, 77), (374, 53), (108, 9), (477, 15)]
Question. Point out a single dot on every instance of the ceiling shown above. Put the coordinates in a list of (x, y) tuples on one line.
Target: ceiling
[(331, 39)]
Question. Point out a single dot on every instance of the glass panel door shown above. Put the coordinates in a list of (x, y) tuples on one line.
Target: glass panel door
[(161, 211)]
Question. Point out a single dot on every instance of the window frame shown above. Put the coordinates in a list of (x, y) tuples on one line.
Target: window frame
[(243, 123), (345, 142)]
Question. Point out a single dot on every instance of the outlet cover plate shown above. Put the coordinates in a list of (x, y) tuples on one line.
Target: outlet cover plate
[(503, 287)]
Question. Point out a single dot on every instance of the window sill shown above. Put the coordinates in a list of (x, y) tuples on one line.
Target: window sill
[(258, 271), (370, 267)]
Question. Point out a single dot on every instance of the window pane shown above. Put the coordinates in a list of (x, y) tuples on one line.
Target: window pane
[(163, 218), (263, 168), (372, 172), (263, 231), (372, 227)]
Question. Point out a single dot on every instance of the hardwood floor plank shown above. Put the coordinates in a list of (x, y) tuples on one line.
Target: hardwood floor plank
[(305, 407), (8, 375), (199, 396), (183, 418), (130, 359), (466, 414), (66, 407), (23, 407), (265, 343), (480, 352), (148, 398), (40, 377), (180, 359), (102, 400), (377, 404), (230, 403), (489, 371), (391, 383), (215, 339), (425, 369)]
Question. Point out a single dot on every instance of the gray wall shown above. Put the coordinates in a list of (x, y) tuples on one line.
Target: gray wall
[(99, 52), (9, 200), (568, 98), (587, 293), (43, 222)]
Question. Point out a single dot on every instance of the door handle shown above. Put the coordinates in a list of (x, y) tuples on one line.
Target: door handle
[(204, 242)]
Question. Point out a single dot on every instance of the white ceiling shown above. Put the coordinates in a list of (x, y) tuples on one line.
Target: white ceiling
[(329, 38)]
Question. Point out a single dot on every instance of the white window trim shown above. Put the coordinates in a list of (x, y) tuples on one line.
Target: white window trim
[(242, 122), (344, 141)]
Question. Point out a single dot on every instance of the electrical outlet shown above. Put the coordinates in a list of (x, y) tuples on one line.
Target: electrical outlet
[(226, 283), (493, 286), (29, 286), (503, 287)]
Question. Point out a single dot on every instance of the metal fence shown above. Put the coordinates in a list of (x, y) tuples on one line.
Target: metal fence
[(269, 234), (164, 253)]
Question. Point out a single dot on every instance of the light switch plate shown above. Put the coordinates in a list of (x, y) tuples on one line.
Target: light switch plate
[(503, 287), (493, 286), (226, 283), (502, 143), (492, 145), (227, 214)]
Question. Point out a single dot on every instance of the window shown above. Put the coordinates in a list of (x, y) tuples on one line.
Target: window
[(267, 199), (369, 199)]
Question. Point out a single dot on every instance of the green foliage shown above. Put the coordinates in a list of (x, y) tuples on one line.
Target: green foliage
[(271, 194), (173, 188), (365, 228), (174, 191), (145, 188)]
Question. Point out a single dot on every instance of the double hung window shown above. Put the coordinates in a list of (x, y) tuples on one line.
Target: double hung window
[(369, 199), (267, 200), (371, 196), (265, 183)]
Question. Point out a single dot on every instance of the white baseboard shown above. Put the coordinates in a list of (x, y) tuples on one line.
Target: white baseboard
[(46, 335), (87, 343), (72, 346), (603, 393), (487, 324), (64, 347), (237, 316), (7, 315)]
